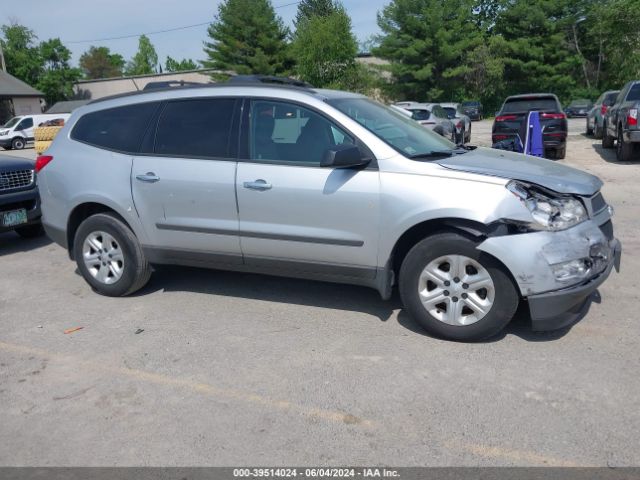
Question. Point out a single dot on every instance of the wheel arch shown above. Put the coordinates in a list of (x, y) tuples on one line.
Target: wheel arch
[(83, 211)]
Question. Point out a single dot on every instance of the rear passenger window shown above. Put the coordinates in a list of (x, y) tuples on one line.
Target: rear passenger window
[(120, 128), (195, 128)]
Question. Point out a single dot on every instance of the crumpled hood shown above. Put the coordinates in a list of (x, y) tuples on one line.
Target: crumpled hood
[(546, 173)]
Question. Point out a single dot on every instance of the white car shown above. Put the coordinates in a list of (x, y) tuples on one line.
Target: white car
[(432, 116)]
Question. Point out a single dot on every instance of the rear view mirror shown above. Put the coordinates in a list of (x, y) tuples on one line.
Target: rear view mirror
[(343, 156)]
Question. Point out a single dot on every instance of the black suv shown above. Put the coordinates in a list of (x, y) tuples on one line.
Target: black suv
[(19, 200), (553, 121), (472, 109)]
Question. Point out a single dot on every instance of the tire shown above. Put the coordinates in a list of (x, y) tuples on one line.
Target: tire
[(589, 130), (560, 153), (30, 231), (597, 131), (42, 145), (607, 141), (18, 143), (43, 134), (132, 270), (448, 245), (624, 151), (462, 137), (469, 135)]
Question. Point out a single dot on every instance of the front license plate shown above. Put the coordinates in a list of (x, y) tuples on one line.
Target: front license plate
[(14, 217)]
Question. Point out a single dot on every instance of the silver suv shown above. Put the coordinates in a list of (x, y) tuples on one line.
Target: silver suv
[(327, 185)]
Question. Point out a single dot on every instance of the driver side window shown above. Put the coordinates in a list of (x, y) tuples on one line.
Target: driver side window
[(288, 133), (24, 124)]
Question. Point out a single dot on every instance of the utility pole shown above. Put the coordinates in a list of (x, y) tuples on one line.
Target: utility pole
[(4, 66)]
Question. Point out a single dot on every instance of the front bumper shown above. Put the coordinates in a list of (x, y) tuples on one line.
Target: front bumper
[(5, 142), (553, 310), (27, 199)]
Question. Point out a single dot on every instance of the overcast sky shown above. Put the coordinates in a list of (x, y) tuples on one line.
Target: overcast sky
[(78, 20)]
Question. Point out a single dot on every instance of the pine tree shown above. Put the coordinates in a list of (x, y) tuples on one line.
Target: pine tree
[(248, 38), (314, 8), (145, 61)]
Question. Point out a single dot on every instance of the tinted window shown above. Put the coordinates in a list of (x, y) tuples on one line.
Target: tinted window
[(451, 112), (24, 124), (289, 133), (524, 105), (610, 99), (119, 128), (195, 128), (634, 93), (420, 114)]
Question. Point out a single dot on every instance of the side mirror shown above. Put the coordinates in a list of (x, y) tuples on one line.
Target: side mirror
[(343, 156)]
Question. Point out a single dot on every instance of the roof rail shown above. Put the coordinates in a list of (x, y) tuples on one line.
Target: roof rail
[(269, 79), (170, 84)]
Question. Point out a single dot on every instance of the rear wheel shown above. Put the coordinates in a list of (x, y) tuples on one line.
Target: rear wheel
[(597, 131), (624, 151), (455, 291), (560, 153), (109, 256), (607, 141), (589, 128)]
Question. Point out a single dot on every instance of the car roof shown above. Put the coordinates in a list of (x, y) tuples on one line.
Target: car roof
[(449, 105), (250, 88), (531, 96)]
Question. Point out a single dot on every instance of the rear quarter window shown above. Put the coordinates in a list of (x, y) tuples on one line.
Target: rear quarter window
[(120, 128), (634, 93)]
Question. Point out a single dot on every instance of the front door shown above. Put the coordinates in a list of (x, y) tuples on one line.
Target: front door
[(295, 212), (184, 189)]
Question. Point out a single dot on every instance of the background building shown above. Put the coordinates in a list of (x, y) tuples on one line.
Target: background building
[(17, 98)]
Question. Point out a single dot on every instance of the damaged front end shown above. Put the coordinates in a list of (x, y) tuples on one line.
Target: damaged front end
[(561, 255)]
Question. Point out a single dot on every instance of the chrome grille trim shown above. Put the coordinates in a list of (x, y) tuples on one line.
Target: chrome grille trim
[(15, 179)]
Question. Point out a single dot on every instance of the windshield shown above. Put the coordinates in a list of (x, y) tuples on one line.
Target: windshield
[(400, 132), (11, 122)]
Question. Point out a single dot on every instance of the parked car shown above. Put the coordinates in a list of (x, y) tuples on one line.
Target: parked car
[(578, 108), (19, 201), (473, 109), (621, 122), (431, 116), (553, 121), (327, 185), (462, 122), (595, 116), (17, 133)]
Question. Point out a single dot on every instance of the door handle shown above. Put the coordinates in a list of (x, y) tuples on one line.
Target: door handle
[(259, 185), (148, 177)]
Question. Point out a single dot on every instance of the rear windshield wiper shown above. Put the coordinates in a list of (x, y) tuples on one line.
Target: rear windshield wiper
[(432, 154)]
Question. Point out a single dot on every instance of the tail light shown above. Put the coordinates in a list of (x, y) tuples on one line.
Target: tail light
[(459, 125), (603, 109), (632, 118), (42, 162), (506, 118), (554, 116), (500, 137)]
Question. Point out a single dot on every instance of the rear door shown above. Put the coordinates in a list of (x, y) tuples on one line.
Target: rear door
[(294, 213), (184, 186)]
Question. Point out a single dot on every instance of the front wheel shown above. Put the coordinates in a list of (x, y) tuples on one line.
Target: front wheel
[(18, 143), (456, 291), (109, 256)]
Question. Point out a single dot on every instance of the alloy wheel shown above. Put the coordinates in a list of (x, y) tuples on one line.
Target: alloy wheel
[(103, 257)]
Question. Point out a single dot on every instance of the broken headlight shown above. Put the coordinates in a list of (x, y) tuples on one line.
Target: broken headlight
[(549, 212)]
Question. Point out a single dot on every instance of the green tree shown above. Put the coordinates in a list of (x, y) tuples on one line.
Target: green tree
[(172, 65), (325, 49), (247, 37), (426, 42), (22, 55), (314, 8), (99, 62), (145, 61), (57, 76)]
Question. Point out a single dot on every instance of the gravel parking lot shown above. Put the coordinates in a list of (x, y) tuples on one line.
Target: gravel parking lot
[(235, 369)]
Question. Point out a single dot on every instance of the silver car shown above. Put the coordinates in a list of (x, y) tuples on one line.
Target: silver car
[(431, 116), (326, 185)]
